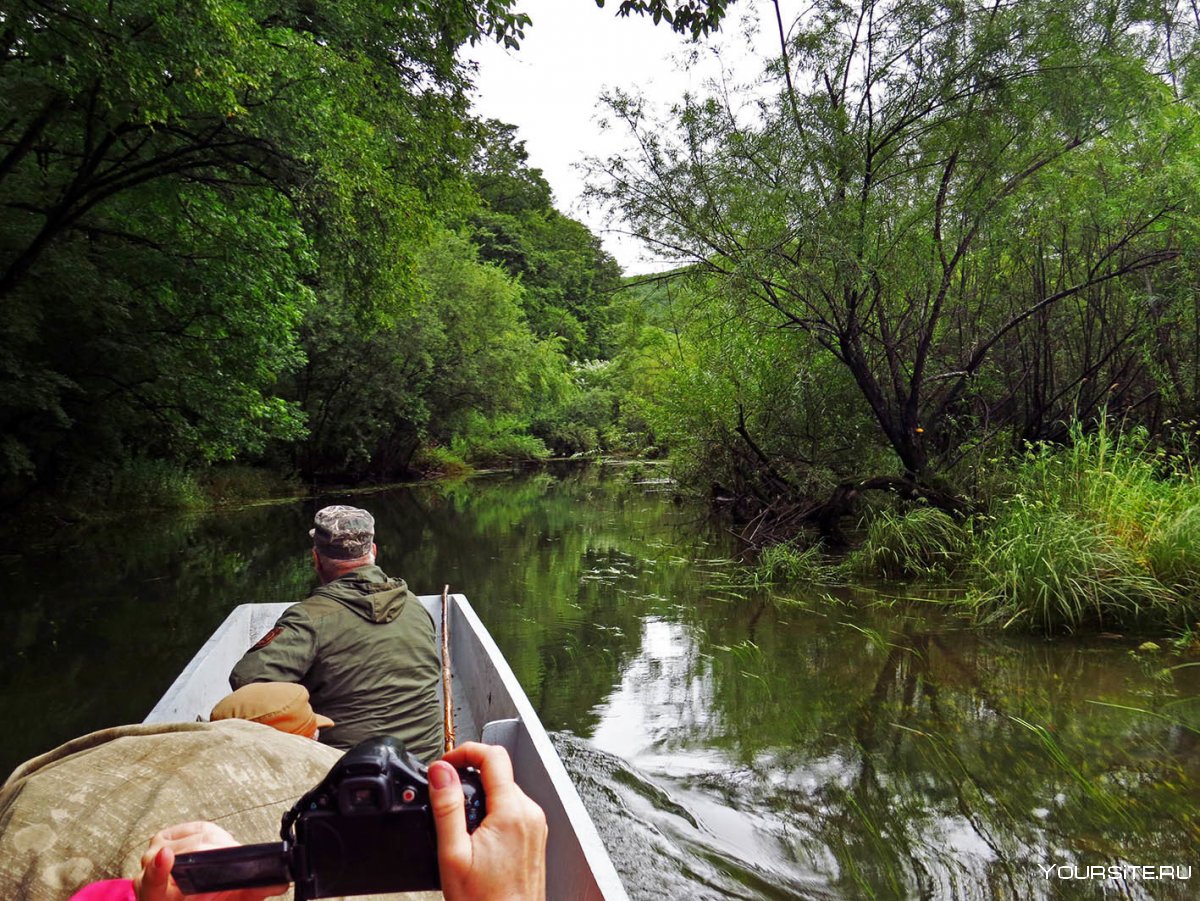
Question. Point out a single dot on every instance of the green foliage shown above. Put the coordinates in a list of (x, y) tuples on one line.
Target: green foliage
[(182, 184), (440, 462), (233, 232), (921, 543), (1173, 551), (566, 275), (484, 370), (136, 484), (497, 440), (425, 363), (964, 224), (452, 332), (787, 563), (1091, 535), (582, 419), (694, 17), (239, 483), (1053, 570), (717, 387)]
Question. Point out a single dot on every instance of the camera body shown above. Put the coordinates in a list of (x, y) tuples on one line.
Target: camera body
[(366, 828)]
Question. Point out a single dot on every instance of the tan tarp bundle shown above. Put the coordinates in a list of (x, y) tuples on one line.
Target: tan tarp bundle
[(85, 811)]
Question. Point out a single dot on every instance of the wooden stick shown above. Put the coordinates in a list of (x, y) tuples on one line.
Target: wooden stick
[(447, 693)]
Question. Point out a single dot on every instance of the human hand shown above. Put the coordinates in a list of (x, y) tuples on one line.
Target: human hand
[(504, 859), (154, 883)]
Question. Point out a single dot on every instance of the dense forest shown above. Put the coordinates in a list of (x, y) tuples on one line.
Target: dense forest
[(271, 233), (935, 295)]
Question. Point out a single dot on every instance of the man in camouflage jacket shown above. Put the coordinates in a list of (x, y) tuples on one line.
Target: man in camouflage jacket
[(362, 644)]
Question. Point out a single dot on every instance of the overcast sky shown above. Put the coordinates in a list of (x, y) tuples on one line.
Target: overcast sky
[(571, 53)]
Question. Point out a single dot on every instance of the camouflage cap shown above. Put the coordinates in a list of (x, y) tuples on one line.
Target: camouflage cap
[(343, 533)]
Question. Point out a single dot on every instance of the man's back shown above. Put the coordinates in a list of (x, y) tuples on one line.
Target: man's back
[(365, 648)]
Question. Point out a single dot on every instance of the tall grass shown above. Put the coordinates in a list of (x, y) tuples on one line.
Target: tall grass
[(786, 562), (1100, 533), (923, 543), (1173, 554), (1055, 569)]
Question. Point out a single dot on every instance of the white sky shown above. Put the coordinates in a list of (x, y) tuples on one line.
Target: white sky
[(572, 52)]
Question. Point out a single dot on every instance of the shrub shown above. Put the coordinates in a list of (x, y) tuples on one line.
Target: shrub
[(139, 484), (497, 440), (237, 483)]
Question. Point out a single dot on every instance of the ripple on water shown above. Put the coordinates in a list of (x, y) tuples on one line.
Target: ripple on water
[(660, 847)]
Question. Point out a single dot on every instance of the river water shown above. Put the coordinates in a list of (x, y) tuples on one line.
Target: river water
[(730, 741)]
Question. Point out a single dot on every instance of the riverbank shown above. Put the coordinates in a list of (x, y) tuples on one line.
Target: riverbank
[(1099, 536), (155, 488)]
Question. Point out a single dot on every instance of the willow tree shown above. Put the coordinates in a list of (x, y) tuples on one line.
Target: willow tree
[(920, 183)]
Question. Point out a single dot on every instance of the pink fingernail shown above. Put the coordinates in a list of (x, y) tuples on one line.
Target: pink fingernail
[(441, 774)]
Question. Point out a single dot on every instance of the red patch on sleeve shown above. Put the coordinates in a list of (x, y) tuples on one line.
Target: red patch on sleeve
[(267, 639)]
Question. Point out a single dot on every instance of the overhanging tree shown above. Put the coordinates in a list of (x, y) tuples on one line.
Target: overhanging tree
[(880, 204), (172, 176)]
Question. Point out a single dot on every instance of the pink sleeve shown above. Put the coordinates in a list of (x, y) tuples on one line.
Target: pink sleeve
[(108, 890)]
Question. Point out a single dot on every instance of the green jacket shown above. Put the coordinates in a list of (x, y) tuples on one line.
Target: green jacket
[(365, 648)]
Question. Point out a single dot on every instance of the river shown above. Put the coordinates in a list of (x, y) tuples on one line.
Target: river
[(730, 741)]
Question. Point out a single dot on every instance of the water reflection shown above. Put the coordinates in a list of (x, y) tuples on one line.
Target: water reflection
[(881, 758), (728, 742)]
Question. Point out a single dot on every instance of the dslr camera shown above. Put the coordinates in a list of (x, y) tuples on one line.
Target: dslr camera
[(366, 827)]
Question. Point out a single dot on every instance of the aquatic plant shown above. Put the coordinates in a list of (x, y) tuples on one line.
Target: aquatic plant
[(787, 562), (923, 542), (1053, 569)]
